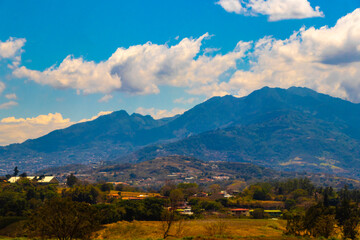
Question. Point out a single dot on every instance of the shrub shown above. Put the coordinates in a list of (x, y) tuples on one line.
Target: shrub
[(63, 219), (219, 227)]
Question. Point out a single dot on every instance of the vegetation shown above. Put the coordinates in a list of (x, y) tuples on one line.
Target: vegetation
[(31, 209), (63, 219)]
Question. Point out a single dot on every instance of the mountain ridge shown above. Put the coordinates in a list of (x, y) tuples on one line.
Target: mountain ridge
[(120, 136)]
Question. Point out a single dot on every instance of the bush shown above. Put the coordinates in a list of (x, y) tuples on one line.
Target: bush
[(63, 219), (6, 221), (220, 227), (258, 213)]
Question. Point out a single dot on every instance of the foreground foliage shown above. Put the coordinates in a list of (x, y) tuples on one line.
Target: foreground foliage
[(63, 219)]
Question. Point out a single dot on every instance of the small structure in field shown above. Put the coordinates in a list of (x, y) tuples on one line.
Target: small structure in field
[(240, 212)]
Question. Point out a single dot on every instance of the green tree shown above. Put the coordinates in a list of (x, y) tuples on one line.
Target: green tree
[(63, 219), (71, 180), (170, 215), (347, 214), (16, 171), (290, 203), (295, 225), (106, 187), (319, 220), (82, 193), (189, 189), (258, 213), (23, 175)]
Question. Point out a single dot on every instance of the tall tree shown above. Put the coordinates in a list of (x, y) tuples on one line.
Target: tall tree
[(348, 215), (16, 171), (71, 180), (63, 219), (170, 216)]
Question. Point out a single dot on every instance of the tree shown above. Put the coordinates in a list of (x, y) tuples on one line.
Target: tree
[(167, 188), (82, 193), (170, 215), (215, 188), (258, 213), (319, 220), (106, 187), (23, 175), (294, 225), (71, 180), (16, 171), (63, 219), (347, 214), (188, 189)]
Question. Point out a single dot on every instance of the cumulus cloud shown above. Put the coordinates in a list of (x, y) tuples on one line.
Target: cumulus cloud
[(325, 59), (8, 105), (159, 113), (232, 6), (11, 96), (17, 130), (275, 9), (139, 69), (11, 48)]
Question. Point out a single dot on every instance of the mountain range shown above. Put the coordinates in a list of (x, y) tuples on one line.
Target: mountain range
[(285, 129)]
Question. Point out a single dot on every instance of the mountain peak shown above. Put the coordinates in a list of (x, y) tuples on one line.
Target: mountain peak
[(119, 133)]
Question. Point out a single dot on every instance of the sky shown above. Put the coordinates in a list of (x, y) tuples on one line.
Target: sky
[(64, 62)]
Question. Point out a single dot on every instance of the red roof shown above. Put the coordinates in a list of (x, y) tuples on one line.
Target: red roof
[(239, 209)]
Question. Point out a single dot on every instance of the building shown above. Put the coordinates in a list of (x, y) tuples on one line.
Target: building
[(39, 179), (240, 212), (185, 211)]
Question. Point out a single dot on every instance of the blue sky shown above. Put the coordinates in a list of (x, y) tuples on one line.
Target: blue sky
[(62, 62)]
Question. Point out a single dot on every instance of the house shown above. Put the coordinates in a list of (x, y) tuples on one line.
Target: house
[(226, 194), (39, 179), (240, 212), (185, 211), (47, 180)]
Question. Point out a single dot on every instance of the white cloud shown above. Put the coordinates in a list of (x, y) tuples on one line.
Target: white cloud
[(232, 6), (2, 87), (159, 113), (17, 130), (185, 101), (76, 73), (275, 9), (105, 98), (11, 96), (8, 105), (325, 59), (96, 116), (140, 69), (11, 48)]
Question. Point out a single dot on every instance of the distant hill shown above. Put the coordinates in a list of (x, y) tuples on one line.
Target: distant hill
[(288, 129), (284, 141), (159, 171)]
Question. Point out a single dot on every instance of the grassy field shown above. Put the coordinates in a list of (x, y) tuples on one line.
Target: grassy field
[(197, 229)]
